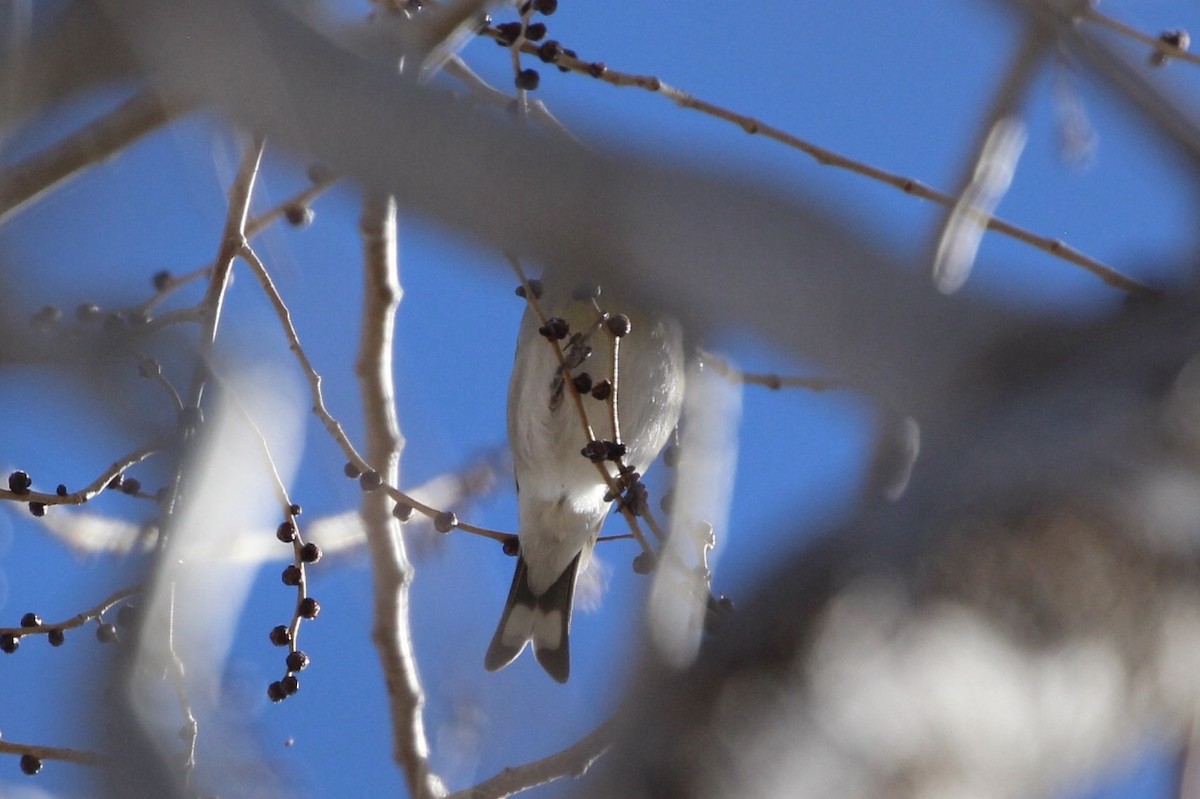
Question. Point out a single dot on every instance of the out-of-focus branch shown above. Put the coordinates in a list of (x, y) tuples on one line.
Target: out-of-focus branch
[(574, 761), (1158, 43), (71, 50), (664, 236), (1026, 614), (986, 175), (141, 114), (390, 566)]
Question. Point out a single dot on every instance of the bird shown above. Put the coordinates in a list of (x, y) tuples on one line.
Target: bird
[(563, 499)]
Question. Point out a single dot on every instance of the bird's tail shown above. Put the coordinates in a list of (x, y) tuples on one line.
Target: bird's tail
[(545, 620)]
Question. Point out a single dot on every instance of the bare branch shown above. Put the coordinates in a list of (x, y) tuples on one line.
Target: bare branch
[(574, 761), (390, 566), (138, 116)]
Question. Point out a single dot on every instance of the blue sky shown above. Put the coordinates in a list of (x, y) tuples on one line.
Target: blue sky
[(901, 86)]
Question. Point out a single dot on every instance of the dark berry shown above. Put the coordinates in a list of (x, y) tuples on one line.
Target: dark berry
[(9, 643), (548, 51), (351, 471), (31, 620), (555, 329), (535, 286), (106, 633), (595, 451), (292, 575), (61, 490), (370, 481), (546, 7), (47, 316), (310, 608), (602, 390), (618, 325), (614, 451), (87, 312), (286, 532), (535, 31), (643, 563), (445, 521), (37, 509), (667, 503), (31, 764), (297, 661), (597, 69), (115, 483), (19, 482), (509, 31), (637, 498), (511, 546), (299, 215), (528, 79), (403, 511), (275, 692), (310, 553), (583, 382), (290, 684), (671, 457), (56, 637), (1179, 39), (131, 485), (161, 280), (148, 368), (294, 509), (281, 635)]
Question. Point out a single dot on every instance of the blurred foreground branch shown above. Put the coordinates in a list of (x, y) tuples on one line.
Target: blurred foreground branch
[(1029, 612)]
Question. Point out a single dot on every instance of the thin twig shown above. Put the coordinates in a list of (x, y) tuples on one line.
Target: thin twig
[(574, 761), (93, 489), (80, 757), (390, 567), (770, 380), (332, 425), (233, 239), (826, 157), (485, 92), (258, 224), (79, 619), (1092, 15)]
